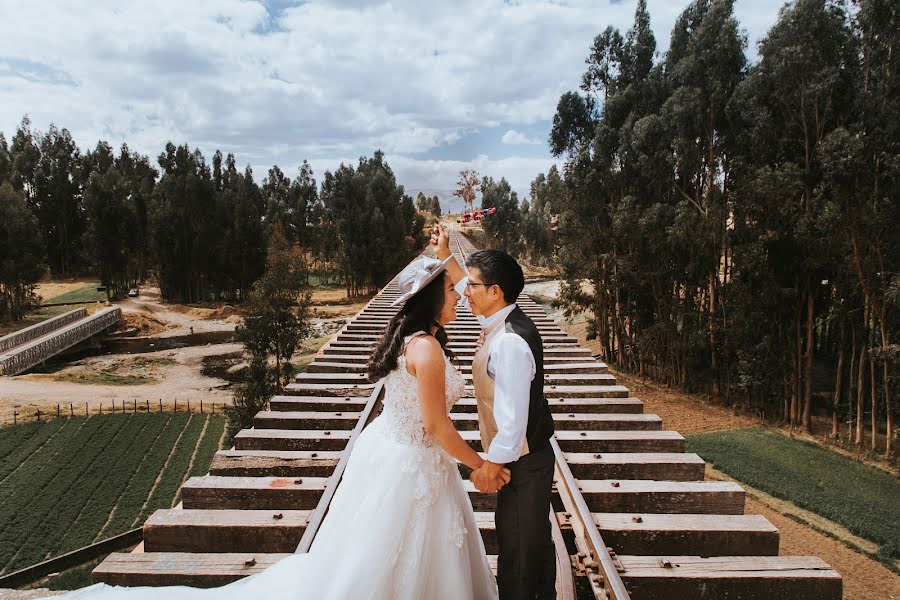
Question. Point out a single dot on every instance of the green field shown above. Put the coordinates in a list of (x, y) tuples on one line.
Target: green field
[(863, 499), (69, 482), (87, 293)]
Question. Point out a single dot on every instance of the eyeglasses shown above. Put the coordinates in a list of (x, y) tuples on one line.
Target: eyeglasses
[(471, 283)]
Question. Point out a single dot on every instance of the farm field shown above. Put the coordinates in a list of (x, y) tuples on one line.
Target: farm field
[(69, 482), (864, 500)]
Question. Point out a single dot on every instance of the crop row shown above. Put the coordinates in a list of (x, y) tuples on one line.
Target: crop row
[(40, 489), (17, 443), (144, 477), (69, 482), (208, 447), (166, 490), (110, 486)]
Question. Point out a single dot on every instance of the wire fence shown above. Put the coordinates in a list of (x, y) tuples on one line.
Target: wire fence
[(112, 406)]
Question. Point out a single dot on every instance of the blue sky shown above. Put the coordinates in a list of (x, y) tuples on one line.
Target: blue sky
[(438, 86)]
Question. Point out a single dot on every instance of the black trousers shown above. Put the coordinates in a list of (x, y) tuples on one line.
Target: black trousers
[(526, 565)]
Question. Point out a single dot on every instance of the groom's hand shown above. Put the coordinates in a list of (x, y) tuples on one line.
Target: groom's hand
[(490, 477), (441, 240)]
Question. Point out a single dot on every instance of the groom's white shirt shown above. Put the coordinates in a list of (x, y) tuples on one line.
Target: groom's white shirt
[(511, 366)]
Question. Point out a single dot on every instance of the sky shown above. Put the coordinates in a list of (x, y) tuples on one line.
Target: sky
[(438, 86)]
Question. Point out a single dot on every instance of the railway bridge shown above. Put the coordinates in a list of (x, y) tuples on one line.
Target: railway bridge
[(632, 515)]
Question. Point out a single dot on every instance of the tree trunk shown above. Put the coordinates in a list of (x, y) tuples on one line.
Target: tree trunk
[(838, 383), (798, 372), (714, 355), (860, 385), (851, 388), (886, 381), (807, 392), (872, 382)]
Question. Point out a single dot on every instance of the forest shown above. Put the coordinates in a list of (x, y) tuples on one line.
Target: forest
[(200, 228), (732, 227), (728, 225)]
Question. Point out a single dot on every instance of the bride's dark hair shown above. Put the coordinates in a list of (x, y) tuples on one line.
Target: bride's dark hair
[(420, 313)]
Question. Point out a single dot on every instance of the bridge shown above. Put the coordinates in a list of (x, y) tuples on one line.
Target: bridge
[(33, 345), (632, 514)]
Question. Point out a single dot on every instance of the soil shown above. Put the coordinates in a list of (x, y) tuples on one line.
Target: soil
[(864, 578), (160, 352)]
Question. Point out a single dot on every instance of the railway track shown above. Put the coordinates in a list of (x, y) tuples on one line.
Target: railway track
[(632, 515)]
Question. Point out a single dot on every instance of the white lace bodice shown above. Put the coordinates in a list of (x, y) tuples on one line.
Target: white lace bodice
[(402, 414)]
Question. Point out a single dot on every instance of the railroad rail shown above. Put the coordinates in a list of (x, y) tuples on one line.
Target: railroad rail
[(37, 343), (632, 515)]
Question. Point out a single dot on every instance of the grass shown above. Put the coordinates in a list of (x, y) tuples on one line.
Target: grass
[(102, 378), (74, 578), (864, 500), (111, 375), (69, 482), (542, 299), (87, 293)]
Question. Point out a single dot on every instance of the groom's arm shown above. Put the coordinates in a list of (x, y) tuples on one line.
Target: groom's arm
[(441, 239)]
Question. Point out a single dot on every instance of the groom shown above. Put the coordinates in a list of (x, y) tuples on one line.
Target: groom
[(514, 420)]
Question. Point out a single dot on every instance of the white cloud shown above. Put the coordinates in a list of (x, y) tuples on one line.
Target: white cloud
[(514, 137), (320, 79)]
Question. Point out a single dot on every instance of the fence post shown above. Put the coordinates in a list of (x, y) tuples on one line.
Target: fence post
[(201, 405), (176, 406), (101, 407), (189, 405), (160, 405), (148, 406), (57, 410)]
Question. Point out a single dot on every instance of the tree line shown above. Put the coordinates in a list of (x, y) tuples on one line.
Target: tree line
[(200, 228), (735, 227)]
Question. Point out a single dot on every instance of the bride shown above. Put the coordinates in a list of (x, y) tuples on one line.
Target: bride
[(400, 525)]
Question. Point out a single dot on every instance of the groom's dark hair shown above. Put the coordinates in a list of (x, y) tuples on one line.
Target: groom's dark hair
[(500, 268)]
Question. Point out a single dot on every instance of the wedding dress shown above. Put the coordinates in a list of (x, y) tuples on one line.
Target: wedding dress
[(400, 525)]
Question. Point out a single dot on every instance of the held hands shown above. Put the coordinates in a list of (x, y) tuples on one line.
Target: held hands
[(490, 477), (440, 239)]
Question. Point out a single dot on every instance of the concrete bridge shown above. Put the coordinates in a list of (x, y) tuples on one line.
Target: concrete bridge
[(33, 345)]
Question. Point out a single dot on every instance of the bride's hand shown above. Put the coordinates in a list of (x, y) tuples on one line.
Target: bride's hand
[(440, 239), (490, 477)]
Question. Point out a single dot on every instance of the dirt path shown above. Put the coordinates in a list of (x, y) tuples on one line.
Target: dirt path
[(864, 578), (177, 379), (163, 363)]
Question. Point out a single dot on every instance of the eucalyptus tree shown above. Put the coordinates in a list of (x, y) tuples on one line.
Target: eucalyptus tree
[(22, 249), (798, 93), (503, 229)]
